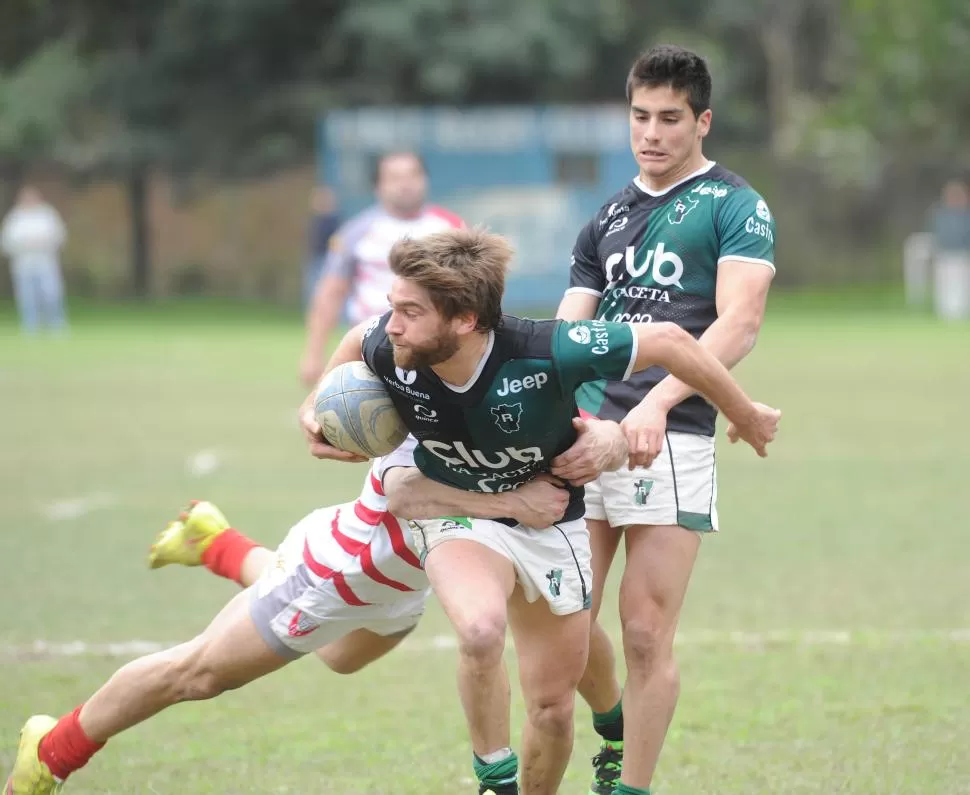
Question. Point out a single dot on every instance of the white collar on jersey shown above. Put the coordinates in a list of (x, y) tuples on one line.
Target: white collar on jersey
[(702, 170), (478, 370)]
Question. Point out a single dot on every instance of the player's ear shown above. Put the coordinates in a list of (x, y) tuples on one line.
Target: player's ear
[(704, 123), (465, 323)]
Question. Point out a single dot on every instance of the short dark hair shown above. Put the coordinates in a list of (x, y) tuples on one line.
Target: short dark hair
[(463, 270), (668, 65), (379, 161)]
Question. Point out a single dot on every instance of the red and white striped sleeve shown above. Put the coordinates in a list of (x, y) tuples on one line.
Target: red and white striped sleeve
[(448, 216)]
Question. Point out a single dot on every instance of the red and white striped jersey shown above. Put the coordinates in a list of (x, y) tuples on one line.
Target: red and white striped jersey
[(365, 550), (360, 248)]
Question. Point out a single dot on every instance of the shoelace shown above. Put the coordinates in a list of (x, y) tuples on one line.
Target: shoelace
[(607, 764)]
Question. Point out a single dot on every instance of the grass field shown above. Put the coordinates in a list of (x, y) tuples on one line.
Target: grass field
[(825, 645)]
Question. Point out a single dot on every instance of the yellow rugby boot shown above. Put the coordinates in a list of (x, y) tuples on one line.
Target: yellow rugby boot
[(30, 776), (184, 541)]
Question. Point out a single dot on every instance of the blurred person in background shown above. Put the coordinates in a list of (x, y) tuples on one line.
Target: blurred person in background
[(324, 221), (355, 272), (949, 220), (32, 236), (691, 243), (949, 224)]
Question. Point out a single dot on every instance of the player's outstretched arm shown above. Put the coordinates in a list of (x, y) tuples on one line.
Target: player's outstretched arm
[(347, 351), (742, 291), (322, 317), (411, 495), (669, 346)]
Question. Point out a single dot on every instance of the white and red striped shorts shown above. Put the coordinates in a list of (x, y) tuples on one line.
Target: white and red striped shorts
[(321, 588)]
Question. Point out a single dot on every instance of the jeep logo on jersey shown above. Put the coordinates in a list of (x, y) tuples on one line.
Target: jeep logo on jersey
[(668, 268), (476, 458), (507, 416), (514, 386), (682, 206), (405, 376)]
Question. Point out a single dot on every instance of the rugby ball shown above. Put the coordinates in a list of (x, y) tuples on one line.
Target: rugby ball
[(356, 413)]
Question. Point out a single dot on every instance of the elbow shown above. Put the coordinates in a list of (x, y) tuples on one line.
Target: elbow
[(668, 344), (399, 504), (670, 336), (746, 329), (333, 285), (400, 497), (330, 291)]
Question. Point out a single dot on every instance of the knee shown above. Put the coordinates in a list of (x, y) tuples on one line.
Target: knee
[(193, 679), (553, 714), (481, 641), (648, 646)]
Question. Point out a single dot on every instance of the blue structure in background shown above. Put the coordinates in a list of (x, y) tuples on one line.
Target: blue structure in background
[(534, 174)]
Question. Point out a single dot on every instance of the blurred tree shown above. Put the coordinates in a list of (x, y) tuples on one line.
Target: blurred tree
[(906, 72), (496, 51), (231, 89), (789, 40), (205, 89), (41, 82), (195, 86), (898, 97)]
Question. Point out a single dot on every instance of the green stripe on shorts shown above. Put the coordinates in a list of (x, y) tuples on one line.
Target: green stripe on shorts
[(695, 521)]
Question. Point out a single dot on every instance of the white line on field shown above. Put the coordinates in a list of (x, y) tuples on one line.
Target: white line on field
[(780, 637), (76, 507), (43, 649), (203, 463)]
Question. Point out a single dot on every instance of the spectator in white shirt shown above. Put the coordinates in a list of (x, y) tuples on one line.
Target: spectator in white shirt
[(31, 236)]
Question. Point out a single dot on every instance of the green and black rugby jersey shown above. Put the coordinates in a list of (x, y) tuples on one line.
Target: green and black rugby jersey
[(515, 415), (653, 257)]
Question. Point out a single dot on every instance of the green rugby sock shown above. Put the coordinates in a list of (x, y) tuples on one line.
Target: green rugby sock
[(609, 725), (498, 775)]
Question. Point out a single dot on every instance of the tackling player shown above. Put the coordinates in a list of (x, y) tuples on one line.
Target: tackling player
[(346, 582)]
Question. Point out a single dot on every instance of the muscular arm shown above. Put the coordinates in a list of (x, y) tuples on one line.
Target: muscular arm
[(669, 346), (322, 317), (411, 495), (578, 306), (348, 350), (742, 291), (324, 313), (330, 295)]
